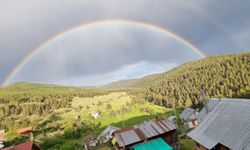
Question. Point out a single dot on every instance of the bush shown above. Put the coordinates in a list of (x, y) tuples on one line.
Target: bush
[(108, 106)]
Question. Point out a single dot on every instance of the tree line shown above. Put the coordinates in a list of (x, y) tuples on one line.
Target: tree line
[(220, 76)]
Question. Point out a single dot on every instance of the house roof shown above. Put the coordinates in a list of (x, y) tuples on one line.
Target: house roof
[(2, 133), (145, 130), (157, 144), (188, 114), (1, 146), (205, 110), (171, 118), (23, 146), (108, 130), (227, 124), (24, 130)]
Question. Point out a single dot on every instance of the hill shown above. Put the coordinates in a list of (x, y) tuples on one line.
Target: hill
[(134, 83), (220, 76)]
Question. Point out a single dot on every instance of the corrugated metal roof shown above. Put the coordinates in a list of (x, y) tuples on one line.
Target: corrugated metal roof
[(205, 110), (108, 130), (228, 124), (188, 114), (145, 130)]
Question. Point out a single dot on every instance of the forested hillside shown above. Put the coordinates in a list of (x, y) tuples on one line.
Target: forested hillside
[(221, 76), (27, 99), (134, 83)]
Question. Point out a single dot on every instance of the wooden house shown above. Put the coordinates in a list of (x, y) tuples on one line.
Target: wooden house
[(226, 127), (25, 130), (126, 138), (107, 134)]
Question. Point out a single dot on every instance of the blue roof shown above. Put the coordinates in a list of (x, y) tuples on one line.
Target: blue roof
[(158, 144)]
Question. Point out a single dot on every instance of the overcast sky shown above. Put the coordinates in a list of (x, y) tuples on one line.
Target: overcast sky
[(109, 52)]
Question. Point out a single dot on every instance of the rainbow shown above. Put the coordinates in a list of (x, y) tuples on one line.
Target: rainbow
[(96, 24)]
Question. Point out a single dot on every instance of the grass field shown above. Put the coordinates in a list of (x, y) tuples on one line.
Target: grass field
[(116, 108), (187, 144), (134, 112)]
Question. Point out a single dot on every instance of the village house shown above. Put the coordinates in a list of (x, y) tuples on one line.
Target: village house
[(2, 138), (207, 108), (25, 130), (107, 134), (96, 115), (157, 144), (23, 146), (172, 119), (226, 127), (126, 138), (189, 116)]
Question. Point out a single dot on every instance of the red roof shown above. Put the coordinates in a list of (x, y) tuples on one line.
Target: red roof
[(24, 146)]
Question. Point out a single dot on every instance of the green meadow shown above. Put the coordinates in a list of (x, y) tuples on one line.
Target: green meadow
[(116, 108)]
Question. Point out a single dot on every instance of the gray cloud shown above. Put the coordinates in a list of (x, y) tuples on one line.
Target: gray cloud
[(24, 25)]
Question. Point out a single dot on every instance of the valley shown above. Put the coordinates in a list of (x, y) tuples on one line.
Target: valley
[(65, 117)]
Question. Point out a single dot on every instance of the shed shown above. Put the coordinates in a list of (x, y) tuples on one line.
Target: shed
[(227, 126), (189, 115), (158, 144), (24, 130), (172, 118), (2, 133), (107, 134), (96, 115), (1, 146)]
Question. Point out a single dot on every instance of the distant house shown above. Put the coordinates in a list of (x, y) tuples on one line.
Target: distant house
[(226, 127), (2, 138), (96, 115), (24, 130), (2, 133), (107, 134), (189, 116), (126, 138), (24, 146), (157, 144), (1, 146), (172, 119), (208, 108)]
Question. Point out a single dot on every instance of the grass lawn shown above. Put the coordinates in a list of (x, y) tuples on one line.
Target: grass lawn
[(187, 144), (117, 100)]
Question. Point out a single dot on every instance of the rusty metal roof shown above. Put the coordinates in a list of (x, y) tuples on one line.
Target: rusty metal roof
[(145, 130)]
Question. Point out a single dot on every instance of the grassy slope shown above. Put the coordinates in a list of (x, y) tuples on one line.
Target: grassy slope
[(141, 82), (117, 100)]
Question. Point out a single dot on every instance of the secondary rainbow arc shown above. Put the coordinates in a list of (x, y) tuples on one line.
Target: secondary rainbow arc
[(96, 24)]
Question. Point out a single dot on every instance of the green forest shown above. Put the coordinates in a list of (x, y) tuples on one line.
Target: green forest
[(61, 125), (38, 99), (219, 76)]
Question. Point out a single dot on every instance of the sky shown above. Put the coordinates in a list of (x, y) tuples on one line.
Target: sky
[(111, 51)]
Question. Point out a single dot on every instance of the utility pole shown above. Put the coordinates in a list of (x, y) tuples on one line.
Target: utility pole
[(203, 99)]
